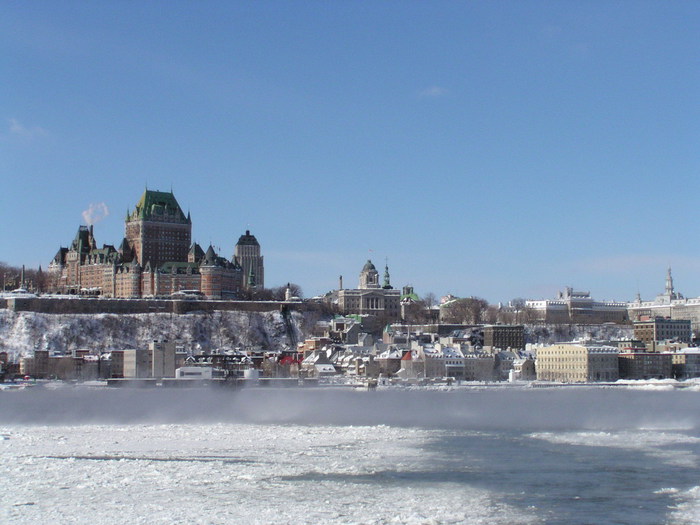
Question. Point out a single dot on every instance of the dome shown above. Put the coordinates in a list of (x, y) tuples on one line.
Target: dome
[(369, 267)]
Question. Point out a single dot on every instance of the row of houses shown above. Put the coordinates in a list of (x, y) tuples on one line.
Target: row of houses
[(566, 362), (660, 349), (161, 359)]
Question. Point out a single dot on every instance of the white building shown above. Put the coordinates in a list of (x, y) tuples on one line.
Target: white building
[(577, 363), (670, 304), (433, 360), (577, 307), (194, 372)]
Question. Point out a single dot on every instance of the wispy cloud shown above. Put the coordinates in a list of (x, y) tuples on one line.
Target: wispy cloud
[(17, 129), (433, 92)]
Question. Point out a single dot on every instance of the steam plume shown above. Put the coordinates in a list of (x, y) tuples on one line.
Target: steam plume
[(95, 213)]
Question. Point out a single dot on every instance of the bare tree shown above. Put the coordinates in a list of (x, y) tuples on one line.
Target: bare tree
[(466, 311), (12, 278), (518, 303), (277, 293), (491, 314), (430, 300), (416, 312)]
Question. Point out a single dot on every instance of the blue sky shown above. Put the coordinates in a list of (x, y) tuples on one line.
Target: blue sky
[(497, 149)]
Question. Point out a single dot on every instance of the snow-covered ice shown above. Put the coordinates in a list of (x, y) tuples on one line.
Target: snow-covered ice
[(91, 455)]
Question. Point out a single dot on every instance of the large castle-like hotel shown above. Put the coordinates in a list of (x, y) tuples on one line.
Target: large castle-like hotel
[(156, 258)]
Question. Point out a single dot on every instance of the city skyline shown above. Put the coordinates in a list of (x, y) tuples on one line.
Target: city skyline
[(495, 150)]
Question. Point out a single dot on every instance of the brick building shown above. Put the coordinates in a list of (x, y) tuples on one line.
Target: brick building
[(659, 329), (156, 258)]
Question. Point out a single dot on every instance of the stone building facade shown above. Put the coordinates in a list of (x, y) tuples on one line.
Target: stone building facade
[(686, 363), (247, 254), (577, 363), (156, 258), (577, 307), (371, 297), (669, 304), (645, 365)]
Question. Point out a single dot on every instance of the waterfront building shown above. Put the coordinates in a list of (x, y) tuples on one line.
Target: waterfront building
[(137, 363), (479, 366), (432, 360), (645, 365), (577, 363), (523, 370), (686, 363), (162, 355)]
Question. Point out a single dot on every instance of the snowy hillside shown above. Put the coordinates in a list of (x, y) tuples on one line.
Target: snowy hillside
[(23, 332), (559, 333)]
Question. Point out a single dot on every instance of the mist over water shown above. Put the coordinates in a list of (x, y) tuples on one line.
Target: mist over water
[(579, 408), (323, 455)]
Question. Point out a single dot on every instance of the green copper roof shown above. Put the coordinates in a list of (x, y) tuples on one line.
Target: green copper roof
[(248, 239), (156, 204), (387, 284)]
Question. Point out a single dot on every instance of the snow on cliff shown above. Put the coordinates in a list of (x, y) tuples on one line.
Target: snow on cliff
[(559, 333), (23, 332)]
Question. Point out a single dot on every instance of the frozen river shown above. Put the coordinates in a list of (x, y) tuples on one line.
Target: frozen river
[(567, 455)]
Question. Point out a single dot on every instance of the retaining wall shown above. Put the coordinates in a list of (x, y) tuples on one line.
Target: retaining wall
[(53, 305)]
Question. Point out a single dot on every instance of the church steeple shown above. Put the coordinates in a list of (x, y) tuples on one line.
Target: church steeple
[(387, 283), (669, 283)]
